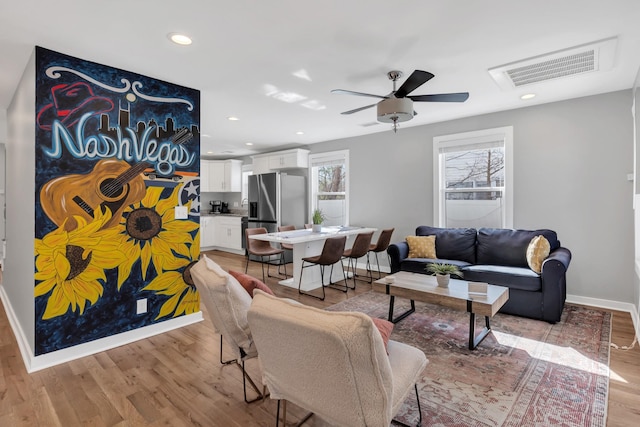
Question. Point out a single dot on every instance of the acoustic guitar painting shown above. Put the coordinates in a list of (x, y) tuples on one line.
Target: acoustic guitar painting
[(112, 184)]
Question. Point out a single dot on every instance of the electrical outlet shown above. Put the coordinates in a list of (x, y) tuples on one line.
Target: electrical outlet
[(141, 307)]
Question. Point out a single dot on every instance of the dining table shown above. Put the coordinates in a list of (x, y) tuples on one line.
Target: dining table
[(306, 243)]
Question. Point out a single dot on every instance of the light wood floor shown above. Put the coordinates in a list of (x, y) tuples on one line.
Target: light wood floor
[(175, 379)]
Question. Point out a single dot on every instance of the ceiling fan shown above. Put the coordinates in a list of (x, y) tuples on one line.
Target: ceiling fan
[(398, 105)]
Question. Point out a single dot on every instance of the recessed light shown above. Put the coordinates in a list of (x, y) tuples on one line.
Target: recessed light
[(209, 152), (528, 96), (299, 133), (233, 118), (180, 39), (248, 143)]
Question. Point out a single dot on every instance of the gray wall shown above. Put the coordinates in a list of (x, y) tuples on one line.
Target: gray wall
[(571, 161)]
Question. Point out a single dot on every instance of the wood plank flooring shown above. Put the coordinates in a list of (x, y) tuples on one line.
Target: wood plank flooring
[(175, 379)]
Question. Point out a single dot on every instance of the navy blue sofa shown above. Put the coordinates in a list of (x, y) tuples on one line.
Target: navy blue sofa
[(498, 256)]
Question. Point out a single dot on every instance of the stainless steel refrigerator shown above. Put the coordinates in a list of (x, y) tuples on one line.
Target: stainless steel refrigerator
[(277, 199)]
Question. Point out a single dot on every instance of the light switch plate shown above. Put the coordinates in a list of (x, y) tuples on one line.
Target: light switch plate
[(181, 212), (141, 306)]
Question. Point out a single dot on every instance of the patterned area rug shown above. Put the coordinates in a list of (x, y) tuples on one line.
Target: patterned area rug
[(525, 373)]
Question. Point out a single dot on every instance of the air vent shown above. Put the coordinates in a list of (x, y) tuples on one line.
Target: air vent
[(587, 58)]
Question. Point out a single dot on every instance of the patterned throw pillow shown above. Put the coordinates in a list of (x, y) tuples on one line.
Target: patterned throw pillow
[(537, 251), (422, 246)]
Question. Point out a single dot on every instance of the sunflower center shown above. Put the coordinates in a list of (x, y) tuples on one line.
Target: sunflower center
[(186, 275), (78, 264), (144, 224)]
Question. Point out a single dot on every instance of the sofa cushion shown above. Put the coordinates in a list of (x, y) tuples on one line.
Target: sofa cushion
[(537, 252), (419, 265), (500, 246), (452, 243), (422, 246), (522, 278)]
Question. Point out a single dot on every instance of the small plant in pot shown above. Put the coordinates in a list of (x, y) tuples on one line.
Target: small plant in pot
[(443, 272), (317, 218)]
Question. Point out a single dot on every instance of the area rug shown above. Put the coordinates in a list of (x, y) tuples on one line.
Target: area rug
[(525, 373)]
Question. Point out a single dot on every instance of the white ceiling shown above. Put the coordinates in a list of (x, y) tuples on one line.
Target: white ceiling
[(244, 49)]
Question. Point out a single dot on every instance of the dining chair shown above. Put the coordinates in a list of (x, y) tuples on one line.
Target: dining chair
[(332, 251), (333, 364), (286, 246), (359, 249), (380, 246), (227, 303), (262, 249)]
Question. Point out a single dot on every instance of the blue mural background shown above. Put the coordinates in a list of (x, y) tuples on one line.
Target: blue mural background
[(88, 279)]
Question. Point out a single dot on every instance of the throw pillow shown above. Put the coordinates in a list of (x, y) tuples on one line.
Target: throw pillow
[(422, 246), (537, 251), (249, 283), (385, 327)]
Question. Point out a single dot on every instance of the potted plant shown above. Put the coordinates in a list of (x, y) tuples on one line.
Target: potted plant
[(443, 272), (317, 218)]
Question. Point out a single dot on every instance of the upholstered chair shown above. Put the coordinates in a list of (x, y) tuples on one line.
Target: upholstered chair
[(331, 253), (359, 249), (380, 246), (227, 303), (333, 364), (286, 246), (262, 249)]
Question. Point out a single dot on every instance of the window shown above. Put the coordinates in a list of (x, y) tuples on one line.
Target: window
[(244, 195), (329, 186), (473, 179)]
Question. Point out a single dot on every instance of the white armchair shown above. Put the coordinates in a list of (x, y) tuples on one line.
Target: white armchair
[(227, 303), (333, 364)]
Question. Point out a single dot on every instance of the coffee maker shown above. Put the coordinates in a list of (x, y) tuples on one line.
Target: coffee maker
[(224, 208), (216, 206)]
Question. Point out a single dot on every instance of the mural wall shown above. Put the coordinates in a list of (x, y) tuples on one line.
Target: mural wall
[(116, 153)]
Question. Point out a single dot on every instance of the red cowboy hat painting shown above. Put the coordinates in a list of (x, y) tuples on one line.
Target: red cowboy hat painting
[(70, 102)]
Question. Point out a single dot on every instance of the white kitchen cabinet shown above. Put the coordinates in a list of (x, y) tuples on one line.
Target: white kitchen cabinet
[(221, 175), (207, 231), (289, 159), (204, 176), (279, 160), (228, 232), (260, 165)]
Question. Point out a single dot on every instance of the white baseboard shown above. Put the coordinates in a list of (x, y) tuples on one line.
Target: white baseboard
[(36, 363)]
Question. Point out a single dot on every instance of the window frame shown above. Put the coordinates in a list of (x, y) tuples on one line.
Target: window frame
[(327, 157), (478, 137)]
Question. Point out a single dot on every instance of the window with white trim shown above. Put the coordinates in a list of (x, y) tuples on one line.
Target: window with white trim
[(329, 186), (473, 179)]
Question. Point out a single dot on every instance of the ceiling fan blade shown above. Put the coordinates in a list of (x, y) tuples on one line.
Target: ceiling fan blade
[(441, 97), (415, 80), (350, 92), (358, 109)]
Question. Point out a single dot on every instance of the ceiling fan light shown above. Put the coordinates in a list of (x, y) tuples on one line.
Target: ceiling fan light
[(394, 110)]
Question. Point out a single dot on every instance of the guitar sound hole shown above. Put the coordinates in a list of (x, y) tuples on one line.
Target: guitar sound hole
[(110, 188)]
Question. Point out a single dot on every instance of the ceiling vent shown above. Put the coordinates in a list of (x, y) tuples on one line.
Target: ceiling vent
[(586, 58)]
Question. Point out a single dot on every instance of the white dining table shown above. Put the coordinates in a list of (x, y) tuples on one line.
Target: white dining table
[(308, 243)]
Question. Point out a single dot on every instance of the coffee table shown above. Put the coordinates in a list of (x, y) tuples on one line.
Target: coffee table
[(422, 287)]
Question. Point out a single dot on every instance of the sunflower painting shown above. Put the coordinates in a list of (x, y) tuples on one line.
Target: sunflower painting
[(116, 154)]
